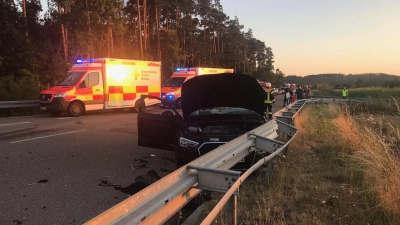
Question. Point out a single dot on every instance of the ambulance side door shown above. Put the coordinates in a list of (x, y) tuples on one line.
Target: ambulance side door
[(90, 90)]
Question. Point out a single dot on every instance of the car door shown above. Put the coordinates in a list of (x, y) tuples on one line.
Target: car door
[(158, 130)]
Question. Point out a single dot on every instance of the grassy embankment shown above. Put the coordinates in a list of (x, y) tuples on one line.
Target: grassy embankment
[(387, 96), (342, 168), (373, 92)]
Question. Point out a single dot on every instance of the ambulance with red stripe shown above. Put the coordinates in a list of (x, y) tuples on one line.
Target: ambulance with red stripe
[(171, 90), (104, 83)]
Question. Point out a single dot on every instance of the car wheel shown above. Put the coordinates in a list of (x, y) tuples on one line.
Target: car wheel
[(75, 109), (55, 113), (178, 103)]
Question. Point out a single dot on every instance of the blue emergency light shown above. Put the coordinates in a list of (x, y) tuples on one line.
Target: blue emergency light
[(184, 69), (80, 61)]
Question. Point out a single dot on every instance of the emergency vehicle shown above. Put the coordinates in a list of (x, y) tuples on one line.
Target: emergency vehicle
[(171, 90), (103, 83)]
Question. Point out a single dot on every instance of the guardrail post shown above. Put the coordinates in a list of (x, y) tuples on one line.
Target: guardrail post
[(230, 211), (211, 179), (270, 169), (286, 148)]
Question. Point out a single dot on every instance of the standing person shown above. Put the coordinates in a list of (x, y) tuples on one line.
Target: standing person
[(308, 91), (269, 100), (294, 95), (345, 92), (287, 95), (299, 92)]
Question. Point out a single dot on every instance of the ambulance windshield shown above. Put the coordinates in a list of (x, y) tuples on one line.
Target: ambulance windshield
[(174, 82), (71, 78)]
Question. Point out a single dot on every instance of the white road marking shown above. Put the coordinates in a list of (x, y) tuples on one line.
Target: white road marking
[(10, 124), (63, 118), (30, 139), (19, 117)]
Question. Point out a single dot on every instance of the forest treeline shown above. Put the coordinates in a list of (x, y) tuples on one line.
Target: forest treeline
[(35, 50), (339, 81)]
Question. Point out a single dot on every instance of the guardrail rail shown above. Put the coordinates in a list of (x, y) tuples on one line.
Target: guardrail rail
[(18, 104), (34, 103)]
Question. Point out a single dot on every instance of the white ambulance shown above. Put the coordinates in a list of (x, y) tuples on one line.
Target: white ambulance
[(171, 90), (104, 83)]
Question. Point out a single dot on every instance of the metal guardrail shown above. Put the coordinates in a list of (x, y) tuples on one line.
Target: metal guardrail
[(371, 100), (18, 104), (162, 199), (34, 103)]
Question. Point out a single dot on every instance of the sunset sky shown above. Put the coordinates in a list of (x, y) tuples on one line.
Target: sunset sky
[(325, 36)]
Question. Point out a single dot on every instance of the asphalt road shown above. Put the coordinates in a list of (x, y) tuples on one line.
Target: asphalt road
[(64, 170)]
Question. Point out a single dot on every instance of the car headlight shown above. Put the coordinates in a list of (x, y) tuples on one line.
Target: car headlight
[(187, 143), (60, 95)]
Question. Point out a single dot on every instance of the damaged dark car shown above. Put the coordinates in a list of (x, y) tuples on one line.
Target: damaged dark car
[(216, 109)]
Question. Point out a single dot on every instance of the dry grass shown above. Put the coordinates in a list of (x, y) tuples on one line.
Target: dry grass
[(375, 145), (342, 168)]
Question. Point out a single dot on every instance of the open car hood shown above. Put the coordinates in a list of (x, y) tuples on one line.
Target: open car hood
[(222, 90)]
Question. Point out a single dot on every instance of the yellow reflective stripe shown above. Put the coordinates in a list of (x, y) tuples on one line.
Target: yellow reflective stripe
[(267, 100), (116, 97), (71, 92), (129, 89), (154, 89)]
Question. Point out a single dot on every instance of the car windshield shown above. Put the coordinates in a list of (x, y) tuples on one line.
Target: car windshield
[(174, 82), (223, 111), (71, 78)]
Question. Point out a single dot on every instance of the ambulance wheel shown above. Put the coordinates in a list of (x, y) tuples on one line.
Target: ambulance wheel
[(178, 103), (75, 109), (55, 113), (139, 107)]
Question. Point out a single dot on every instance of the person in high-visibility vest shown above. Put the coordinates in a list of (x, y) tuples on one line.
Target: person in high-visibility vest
[(269, 100), (345, 92)]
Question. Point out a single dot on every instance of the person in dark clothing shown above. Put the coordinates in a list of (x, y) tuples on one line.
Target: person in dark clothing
[(299, 92), (287, 96)]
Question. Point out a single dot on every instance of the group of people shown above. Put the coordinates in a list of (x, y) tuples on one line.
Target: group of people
[(292, 93)]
